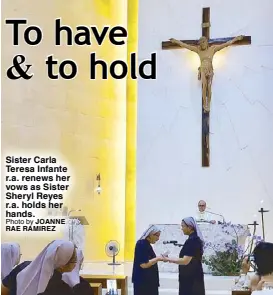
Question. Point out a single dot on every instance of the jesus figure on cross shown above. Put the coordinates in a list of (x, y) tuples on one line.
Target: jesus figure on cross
[(205, 71)]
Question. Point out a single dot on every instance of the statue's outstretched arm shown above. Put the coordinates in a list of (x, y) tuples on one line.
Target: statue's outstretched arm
[(229, 43), (184, 45)]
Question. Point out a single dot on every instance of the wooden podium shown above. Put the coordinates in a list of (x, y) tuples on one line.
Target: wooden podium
[(122, 281), (241, 292)]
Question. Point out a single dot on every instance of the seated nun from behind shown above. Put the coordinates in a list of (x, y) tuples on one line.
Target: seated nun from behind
[(10, 257), (145, 275), (263, 258), (262, 281), (44, 274), (191, 275), (75, 281)]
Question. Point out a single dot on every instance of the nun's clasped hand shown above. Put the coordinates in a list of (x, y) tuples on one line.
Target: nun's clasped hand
[(165, 258)]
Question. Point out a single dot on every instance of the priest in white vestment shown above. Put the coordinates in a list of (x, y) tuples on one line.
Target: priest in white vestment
[(202, 214)]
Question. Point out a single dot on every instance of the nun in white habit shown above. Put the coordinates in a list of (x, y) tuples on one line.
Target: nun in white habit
[(59, 255), (44, 274), (145, 275), (10, 257)]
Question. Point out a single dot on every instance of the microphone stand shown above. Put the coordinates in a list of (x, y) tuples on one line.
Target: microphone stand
[(175, 243), (217, 215), (262, 211), (178, 245), (254, 224)]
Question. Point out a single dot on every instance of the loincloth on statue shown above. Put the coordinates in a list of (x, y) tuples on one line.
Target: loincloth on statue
[(206, 69)]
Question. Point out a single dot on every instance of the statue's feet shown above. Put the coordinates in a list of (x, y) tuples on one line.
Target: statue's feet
[(206, 109)]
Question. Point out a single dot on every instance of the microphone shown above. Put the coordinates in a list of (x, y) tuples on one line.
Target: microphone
[(169, 242), (217, 215)]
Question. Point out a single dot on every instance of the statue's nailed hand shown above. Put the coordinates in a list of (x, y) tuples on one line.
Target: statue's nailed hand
[(174, 41)]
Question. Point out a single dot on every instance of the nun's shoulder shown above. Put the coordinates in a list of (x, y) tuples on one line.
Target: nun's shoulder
[(21, 267), (193, 240), (9, 279), (83, 288), (142, 243)]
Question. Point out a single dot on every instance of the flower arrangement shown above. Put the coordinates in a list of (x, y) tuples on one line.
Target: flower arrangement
[(227, 257)]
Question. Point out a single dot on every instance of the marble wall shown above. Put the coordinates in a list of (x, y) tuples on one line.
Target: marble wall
[(170, 177)]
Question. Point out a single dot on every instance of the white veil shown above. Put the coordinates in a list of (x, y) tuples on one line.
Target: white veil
[(190, 221), (151, 230)]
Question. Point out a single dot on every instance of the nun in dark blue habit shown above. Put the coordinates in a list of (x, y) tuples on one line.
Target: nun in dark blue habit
[(145, 270), (191, 275)]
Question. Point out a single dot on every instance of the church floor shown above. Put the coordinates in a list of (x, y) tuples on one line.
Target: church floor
[(168, 281)]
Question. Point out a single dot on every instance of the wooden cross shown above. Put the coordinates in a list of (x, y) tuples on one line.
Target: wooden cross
[(205, 115), (255, 223)]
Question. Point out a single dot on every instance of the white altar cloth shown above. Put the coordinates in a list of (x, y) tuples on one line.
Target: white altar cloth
[(213, 233)]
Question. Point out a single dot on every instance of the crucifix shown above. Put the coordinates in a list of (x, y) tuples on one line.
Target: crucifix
[(206, 48)]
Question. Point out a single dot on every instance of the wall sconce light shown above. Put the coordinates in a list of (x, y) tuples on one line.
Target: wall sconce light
[(98, 189)]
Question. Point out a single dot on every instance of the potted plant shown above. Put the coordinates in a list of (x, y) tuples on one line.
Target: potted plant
[(227, 258)]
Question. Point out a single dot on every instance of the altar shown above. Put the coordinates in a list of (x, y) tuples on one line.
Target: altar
[(216, 237)]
